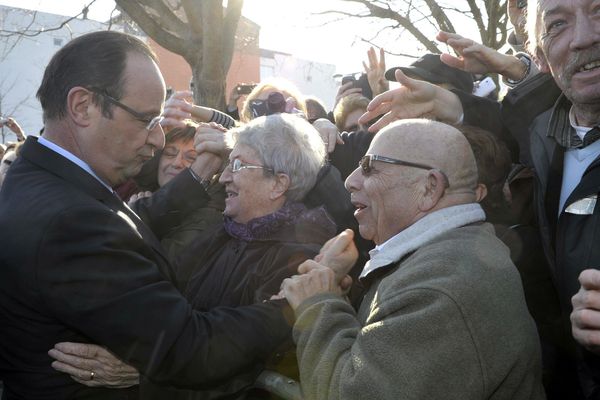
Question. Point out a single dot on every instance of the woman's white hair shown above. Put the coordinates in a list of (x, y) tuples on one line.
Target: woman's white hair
[(287, 144)]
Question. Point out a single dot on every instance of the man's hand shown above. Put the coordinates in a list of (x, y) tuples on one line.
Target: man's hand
[(80, 360), (317, 280), (585, 318), (479, 59), (210, 145), (329, 133), (414, 99), (135, 197), (347, 89), (339, 254), (376, 71), (178, 108)]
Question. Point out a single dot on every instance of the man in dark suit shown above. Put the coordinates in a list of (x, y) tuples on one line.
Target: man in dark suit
[(77, 265)]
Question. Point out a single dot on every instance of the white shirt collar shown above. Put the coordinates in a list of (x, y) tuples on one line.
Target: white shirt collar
[(73, 158), (421, 232), (579, 130)]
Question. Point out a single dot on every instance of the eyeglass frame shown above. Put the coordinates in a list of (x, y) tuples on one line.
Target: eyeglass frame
[(151, 123), (242, 165), (374, 157)]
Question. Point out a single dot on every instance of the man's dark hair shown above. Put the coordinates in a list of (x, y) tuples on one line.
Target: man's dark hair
[(95, 60), (493, 165)]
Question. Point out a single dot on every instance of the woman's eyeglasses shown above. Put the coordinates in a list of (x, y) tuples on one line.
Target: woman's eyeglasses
[(236, 165)]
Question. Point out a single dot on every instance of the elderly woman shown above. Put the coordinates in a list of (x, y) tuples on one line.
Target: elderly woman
[(267, 232)]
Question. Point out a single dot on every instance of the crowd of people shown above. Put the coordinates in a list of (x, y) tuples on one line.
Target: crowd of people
[(430, 241)]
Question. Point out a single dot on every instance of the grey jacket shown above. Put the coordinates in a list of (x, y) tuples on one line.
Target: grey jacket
[(447, 321)]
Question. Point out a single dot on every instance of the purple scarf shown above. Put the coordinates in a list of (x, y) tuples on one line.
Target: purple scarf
[(267, 226)]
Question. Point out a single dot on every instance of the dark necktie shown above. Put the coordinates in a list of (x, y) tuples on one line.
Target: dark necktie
[(591, 136)]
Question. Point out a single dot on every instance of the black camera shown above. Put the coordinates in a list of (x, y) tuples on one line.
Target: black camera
[(274, 104), (362, 83)]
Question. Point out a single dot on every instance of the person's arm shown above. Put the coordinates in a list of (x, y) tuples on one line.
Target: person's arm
[(339, 358), (112, 291)]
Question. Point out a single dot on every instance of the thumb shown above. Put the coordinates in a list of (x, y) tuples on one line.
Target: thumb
[(404, 80)]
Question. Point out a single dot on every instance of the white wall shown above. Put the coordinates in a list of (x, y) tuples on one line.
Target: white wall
[(312, 78), (23, 60)]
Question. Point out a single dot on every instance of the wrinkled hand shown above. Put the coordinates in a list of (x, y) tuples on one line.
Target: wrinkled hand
[(376, 71), (346, 89), (319, 279), (585, 318), (472, 56), (338, 253), (210, 137), (178, 108), (12, 124), (80, 359), (329, 133), (414, 99), (137, 196)]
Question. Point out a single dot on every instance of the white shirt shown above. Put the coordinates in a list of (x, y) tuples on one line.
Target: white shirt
[(575, 162)]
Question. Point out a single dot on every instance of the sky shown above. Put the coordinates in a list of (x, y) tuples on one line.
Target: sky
[(288, 26)]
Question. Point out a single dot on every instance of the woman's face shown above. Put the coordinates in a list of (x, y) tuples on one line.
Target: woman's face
[(249, 191), (175, 157)]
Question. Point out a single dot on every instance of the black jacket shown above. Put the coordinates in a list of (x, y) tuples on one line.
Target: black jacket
[(78, 265)]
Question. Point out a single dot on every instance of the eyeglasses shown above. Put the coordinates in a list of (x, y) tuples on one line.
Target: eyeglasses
[(366, 164), (236, 165), (151, 123)]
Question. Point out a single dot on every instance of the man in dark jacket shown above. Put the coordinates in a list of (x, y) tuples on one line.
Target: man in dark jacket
[(78, 265)]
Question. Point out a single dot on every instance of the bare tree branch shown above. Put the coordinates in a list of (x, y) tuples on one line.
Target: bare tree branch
[(28, 33), (152, 27), (168, 19), (440, 16), (193, 11), (233, 14)]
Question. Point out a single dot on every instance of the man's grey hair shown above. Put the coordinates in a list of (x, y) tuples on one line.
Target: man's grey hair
[(287, 144)]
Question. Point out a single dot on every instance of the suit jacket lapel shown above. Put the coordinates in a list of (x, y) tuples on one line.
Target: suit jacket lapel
[(60, 166)]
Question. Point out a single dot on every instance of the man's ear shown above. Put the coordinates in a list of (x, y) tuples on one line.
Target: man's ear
[(281, 185), (435, 186), (480, 192), (540, 60), (79, 106)]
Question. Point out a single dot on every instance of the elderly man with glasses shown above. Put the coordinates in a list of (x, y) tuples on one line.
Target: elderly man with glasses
[(444, 316)]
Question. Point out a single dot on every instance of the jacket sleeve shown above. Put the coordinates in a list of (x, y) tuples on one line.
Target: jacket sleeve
[(99, 277), (169, 206), (403, 351)]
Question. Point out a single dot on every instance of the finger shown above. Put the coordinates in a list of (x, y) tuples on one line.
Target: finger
[(307, 266), (351, 91), (174, 112), (586, 319), (338, 245), (590, 279), (88, 382), (372, 57), (86, 350), (338, 139), (382, 58), (172, 123), (76, 362), (365, 67), (83, 374), (382, 122), (183, 94), (409, 83), (346, 283), (332, 140), (452, 61), (344, 87)]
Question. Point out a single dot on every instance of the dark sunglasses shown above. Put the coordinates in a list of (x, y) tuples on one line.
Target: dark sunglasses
[(366, 164)]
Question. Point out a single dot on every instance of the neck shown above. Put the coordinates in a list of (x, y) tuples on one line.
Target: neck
[(62, 135), (586, 114)]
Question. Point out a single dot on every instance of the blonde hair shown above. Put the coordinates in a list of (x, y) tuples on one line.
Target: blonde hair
[(287, 88)]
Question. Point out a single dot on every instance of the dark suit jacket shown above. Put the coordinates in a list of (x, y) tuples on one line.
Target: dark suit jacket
[(78, 265)]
